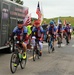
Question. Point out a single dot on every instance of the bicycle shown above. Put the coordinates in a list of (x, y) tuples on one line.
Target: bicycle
[(50, 43), (67, 38), (17, 57), (59, 39), (36, 50)]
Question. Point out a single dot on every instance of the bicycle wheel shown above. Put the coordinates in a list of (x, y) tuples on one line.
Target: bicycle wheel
[(23, 63), (48, 47), (59, 42), (67, 39), (34, 54), (38, 54), (13, 60), (52, 47), (38, 51)]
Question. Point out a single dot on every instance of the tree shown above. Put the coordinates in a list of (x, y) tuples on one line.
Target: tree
[(18, 1)]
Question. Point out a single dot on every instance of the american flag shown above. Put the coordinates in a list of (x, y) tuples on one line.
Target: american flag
[(64, 22), (27, 20), (38, 11), (25, 11)]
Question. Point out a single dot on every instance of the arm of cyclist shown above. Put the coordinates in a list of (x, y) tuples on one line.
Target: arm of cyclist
[(42, 31), (13, 34)]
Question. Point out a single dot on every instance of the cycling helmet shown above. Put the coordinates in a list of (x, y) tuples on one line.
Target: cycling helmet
[(51, 23), (19, 22), (37, 22)]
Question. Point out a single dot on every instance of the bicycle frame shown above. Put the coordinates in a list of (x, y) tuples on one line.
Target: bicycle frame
[(50, 44), (59, 39), (36, 51), (51, 41)]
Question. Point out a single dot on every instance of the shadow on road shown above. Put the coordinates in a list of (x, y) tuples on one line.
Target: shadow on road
[(3, 51)]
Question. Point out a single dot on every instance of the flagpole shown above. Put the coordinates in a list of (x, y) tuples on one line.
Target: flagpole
[(42, 13)]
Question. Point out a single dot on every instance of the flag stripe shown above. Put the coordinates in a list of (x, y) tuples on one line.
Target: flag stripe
[(27, 20), (38, 12)]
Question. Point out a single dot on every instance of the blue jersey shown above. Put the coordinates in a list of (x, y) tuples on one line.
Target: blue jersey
[(20, 32), (51, 30), (37, 31), (67, 29), (60, 29)]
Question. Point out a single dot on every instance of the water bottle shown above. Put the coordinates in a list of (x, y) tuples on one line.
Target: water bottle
[(20, 55)]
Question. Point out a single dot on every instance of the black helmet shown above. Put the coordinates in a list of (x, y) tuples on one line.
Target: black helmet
[(20, 22)]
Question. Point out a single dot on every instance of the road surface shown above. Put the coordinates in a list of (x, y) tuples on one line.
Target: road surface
[(60, 62)]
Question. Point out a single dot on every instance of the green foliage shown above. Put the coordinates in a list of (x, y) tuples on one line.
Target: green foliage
[(68, 19), (18, 1)]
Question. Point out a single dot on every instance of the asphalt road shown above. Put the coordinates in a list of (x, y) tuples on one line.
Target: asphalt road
[(60, 62)]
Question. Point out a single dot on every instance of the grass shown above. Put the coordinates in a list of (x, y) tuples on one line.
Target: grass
[(68, 19)]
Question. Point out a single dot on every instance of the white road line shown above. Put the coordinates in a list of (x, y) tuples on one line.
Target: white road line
[(63, 45), (72, 45), (45, 44)]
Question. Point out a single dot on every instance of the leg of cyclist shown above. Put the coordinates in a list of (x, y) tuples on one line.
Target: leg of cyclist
[(57, 38), (48, 37), (53, 39), (61, 37), (68, 37), (33, 41), (41, 46), (25, 48)]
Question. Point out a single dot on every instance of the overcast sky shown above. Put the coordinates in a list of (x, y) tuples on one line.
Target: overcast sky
[(51, 8)]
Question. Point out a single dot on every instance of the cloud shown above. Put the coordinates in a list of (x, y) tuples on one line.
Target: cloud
[(51, 8)]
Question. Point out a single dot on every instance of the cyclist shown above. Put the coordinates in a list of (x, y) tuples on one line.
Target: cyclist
[(70, 30), (67, 31), (37, 31), (52, 32), (64, 33), (60, 31), (29, 29), (21, 32), (29, 34)]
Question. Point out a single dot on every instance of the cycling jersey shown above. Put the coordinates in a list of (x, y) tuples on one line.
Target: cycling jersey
[(29, 29), (51, 30), (20, 33), (37, 32), (67, 29), (60, 29)]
